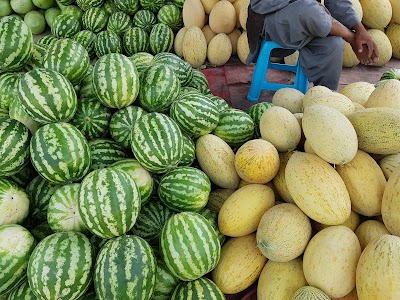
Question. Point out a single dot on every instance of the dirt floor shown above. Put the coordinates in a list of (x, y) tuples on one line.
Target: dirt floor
[(232, 81)]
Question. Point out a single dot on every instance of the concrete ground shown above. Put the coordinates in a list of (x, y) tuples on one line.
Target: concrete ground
[(232, 81)]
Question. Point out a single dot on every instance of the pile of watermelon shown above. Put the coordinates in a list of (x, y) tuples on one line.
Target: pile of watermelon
[(101, 196)]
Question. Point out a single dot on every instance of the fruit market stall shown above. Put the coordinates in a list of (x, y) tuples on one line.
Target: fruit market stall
[(132, 166)]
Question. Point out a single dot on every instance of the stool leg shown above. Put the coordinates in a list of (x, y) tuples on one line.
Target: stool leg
[(301, 83)]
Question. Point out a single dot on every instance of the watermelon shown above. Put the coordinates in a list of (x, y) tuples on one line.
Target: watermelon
[(24, 176), (221, 104), (62, 212), (255, 112), (94, 19), (16, 246), (14, 203), (392, 73), (41, 231), (14, 150), (101, 216), (87, 4), (189, 151), (65, 26), (86, 88), (184, 189), (105, 152), (86, 38), (140, 175), (152, 5), (115, 80), (109, 7), (4, 115), (129, 7), (136, 40), (60, 153), (125, 269), (200, 82), (157, 142), (60, 267), (195, 114), (97, 243), (24, 292), (199, 289), (121, 124), (235, 127), (179, 3), (159, 88), (69, 58), (165, 282), (92, 118), (36, 61), (142, 61), (119, 22), (46, 40), (107, 42), (8, 86), (16, 43), (74, 11), (153, 215), (47, 96), (171, 16), (144, 19), (212, 217), (189, 236), (181, 68), (161, 38)]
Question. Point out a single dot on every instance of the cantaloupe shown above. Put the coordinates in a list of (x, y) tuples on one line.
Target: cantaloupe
[(234, 37), (243, 48), (194, 47), (242, 211), (333, 99), (349, 57), (289, 98), (391, 204), (208, 5), (283, 232), (386, 94), (280, 280), (257, 161), (393, 33), (279, 180), (330, 260), (378, 269), (315, 91), (384, 46), (358, 92), (238, 4), (317, 189), (395, 11), (369, 230), (308, 293), (243, 16), (193, 14), (352, 222), (389, 163), (239, 266), (222, 18), (178, 41), (208, 33), (376, 13), (335, 140), (219, 50)]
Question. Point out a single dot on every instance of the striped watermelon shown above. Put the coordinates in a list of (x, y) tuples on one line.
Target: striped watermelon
[(161, 38), (200, 82), (115, 80), (46, 40), (159, 88), (142, 61), (97, 243), (189, 151), (14, 150), (23, 292), (189, 236), (16, 246), (152, 5), (157, 142), (129, 7), (153, 215), (121, 124), (212, 217), (92, 118), (60, 266), (136, 40), (40, 191), (8, 87), (184, 189), (24, 176), (144, 19), (65, 2), (140, 175), (171, 16), (125, 269), (180, 67), (109, 7), (65, 26), (105, 152), (62, 212), (16, 43), (107, 42), (165, 282), (69, 58), (235, 127), (60, 153), (74, 11), (199, 289), (221, 104), (255, 112), (47, 96), (101, 216), (4, 114), (179, 3), (87, 4), (86, 38), (86, 88), (41, 231), (119, 22), (36, 61), (195, 114), (94, 19)]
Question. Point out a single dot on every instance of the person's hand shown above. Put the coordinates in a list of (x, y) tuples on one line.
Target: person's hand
[(364, 47)]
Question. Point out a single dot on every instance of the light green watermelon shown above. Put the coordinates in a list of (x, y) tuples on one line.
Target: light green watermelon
[(200, 82), (86, 38), (105, 152), (144, 19), (189, 151), (142, 61), (181, 68), (129, 7), (171, 15), (161, 38), (165, 282), (199, 289), (107, 42), (65, 26), (119, 22), (8, 87), (152, 5), (87, 4), (94, 19), (136, 40)]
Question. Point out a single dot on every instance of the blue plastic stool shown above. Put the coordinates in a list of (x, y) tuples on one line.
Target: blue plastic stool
[(259, 81)]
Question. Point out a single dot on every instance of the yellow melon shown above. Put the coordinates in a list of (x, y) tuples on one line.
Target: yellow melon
[(243, 210), (239, 266), (222, 18), (369, 230), (330, 260), (358, 92), (289, 98), (391, 204), (280, 280), (393, 33), (208, 33), (208, 5), (386, 94), (238, 4), (292, 58), (283, 232), (243, 49), (316, 91), (193, 14), (384, 46), (279, 180), (352, 222), (389, 163), (378, 269), (219, 50), (243, 16), (194, 47), (349, 57), (317, 189), (395, 11), (350, 296), (376, 13), (257, 161), (333, 99), (357, 8), (178, 41), (234, 37)]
